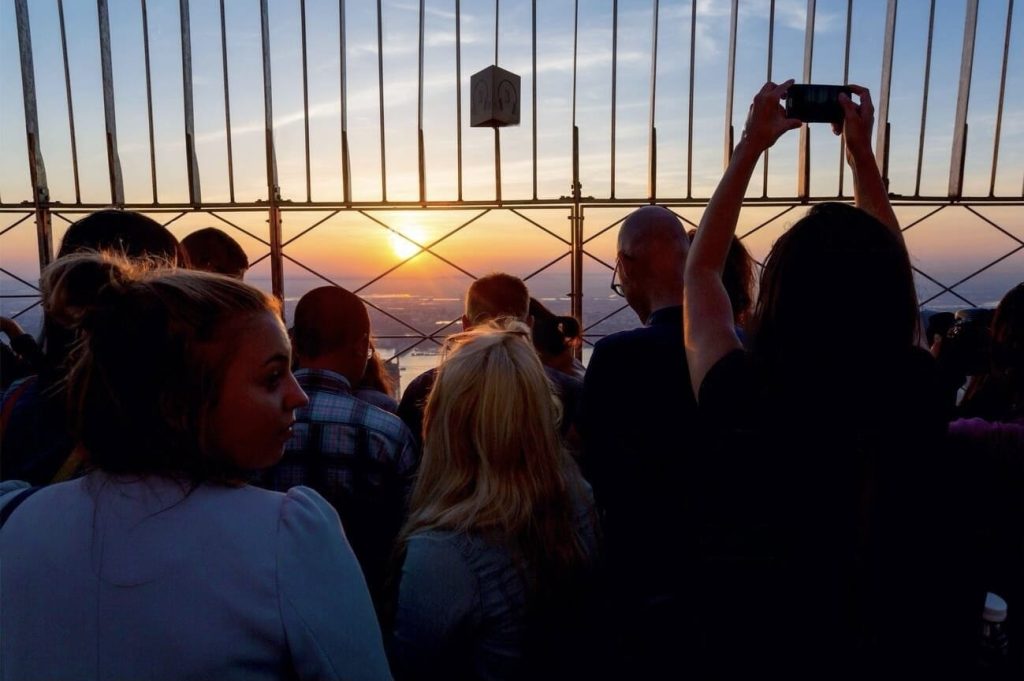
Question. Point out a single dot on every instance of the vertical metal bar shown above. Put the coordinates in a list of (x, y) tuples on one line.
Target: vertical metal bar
[(689, 123), (71, 107), (497, 165), (576, 238), (730, 84), (149, 99), (768, 77), (1002, 92), (956, 164), (497, 131), (194, 188), (575, 53), (419, 120), (533, 107), (273, 189), (882, 141), (615, 79), (37, 169), (346, 168), (458, 96), (380, 91), (113, 159), (924, 97), (652, 145), (227, 102), (305, 94), (846, 78), (804, 163)]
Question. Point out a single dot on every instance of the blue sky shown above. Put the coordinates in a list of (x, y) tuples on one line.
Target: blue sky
[(554, 94)]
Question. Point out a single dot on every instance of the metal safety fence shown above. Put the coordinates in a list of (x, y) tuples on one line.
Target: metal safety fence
[(582, 127)]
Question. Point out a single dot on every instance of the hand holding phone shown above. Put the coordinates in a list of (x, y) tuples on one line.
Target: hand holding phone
[(766, 119)]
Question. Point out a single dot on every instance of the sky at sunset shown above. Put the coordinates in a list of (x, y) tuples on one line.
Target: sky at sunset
[(354, 247)]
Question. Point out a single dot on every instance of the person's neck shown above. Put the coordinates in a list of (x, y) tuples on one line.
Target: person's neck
[(326, 364), (661, 302)]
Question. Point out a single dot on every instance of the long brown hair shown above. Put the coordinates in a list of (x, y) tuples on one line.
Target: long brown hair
[(835, 258), (492, 463), (998, 394)]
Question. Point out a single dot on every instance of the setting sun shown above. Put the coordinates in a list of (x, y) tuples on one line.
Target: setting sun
[(404, 247)]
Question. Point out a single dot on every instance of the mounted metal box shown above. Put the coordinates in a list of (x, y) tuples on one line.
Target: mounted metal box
[(495, 98)]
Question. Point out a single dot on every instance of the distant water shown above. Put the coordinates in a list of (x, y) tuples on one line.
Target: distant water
[(393, 313), (413, 364)]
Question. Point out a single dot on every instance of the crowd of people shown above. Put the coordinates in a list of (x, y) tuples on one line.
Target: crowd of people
[(737, 487)]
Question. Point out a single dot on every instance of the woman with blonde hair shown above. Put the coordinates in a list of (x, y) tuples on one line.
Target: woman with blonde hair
[(161, 562), (501, 537)]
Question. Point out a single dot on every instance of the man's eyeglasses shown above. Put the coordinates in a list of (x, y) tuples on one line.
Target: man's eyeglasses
[(616, 285)]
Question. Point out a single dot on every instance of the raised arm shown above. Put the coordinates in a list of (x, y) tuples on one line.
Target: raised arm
[(709, 330), (869, 190)]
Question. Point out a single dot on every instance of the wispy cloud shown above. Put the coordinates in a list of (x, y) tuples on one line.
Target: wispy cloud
[(432, 11)]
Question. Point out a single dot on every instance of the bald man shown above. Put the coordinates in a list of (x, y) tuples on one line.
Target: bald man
[(639, 434), (360, 458)]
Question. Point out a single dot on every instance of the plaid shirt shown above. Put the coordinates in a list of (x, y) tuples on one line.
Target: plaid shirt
[(360, 458)]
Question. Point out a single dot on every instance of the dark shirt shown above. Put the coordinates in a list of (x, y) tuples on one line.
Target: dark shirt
[(990, 457), (568, 389), (640, 436), (829, 538), (360, 458), (464, 610), (22, 358), (36, 438), (639, 431)]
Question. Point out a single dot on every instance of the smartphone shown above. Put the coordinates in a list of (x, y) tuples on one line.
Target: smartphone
[(815, 103)]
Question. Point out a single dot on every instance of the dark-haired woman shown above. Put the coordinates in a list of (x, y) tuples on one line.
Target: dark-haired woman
[(990, 447), (377, 387), (825, 539), (556, 340), (161, 562)]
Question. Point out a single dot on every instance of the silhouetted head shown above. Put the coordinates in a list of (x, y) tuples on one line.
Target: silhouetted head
[(651, 257), (122, 232), (995, 392), (835, 259), (211, 250), (332, 331), (159, 382), (496, 296), (552, 334), (1008, 338)]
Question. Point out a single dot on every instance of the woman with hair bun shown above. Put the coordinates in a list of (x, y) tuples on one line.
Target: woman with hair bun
[(501, 538), (556, 340), (161, 562)]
